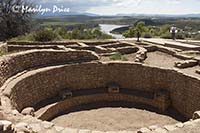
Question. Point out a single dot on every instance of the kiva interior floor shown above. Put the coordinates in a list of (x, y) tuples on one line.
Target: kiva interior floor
[(113, 118)]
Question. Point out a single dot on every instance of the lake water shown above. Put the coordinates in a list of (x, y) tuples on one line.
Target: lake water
[(107, 28)]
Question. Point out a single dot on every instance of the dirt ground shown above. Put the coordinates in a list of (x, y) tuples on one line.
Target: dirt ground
[(157, 58), (113, 119), (161, 59), (191, 71)]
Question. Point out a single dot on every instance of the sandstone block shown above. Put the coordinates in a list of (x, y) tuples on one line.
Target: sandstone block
[(196, 115), (144, 130), (15, 112), (141, 55), (70, 130), (23, 127), (84, 131), (113, 88), (53, 130), (124, 132), (180, 125), (188, 123), (7, 125), (161, 130), (65, 94), (28, 111), (170, 127), (198, 71), (47, 124), (36, 127), (186, 64), (59, 129), (97, 132), (154, 127)]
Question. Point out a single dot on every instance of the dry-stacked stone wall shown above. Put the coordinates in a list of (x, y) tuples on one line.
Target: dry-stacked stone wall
[(18, 48), (55, 109), (15, 63), (3, 48), (184, 89), (42, 43), (23, 46)]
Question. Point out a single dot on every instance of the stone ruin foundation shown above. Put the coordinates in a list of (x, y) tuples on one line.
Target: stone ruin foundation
[(42, 81)]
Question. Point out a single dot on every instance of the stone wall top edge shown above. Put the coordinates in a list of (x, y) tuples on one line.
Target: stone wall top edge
[(2, 43), (44, 50), (120, 63), (36, 42), (61, 42), (150, 66)]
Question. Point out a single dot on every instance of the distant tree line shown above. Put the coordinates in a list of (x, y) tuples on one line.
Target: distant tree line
[(157, 31), (49, 34)]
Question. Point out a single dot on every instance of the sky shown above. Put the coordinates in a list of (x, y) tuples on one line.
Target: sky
[(113, 7)]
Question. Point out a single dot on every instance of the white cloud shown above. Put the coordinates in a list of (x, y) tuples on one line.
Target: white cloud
[(174, 1), (128, 6), (125, 3)]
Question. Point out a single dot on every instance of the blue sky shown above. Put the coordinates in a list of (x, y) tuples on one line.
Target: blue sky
[(112, 7)]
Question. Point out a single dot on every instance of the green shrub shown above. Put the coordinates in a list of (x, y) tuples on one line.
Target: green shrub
[(130, 33), (1, 53), (147, 35), (45, 35), (166, 36), (59, 34), (28, 37), (124, 58), (180, 36), (118, 56), (197, 37)]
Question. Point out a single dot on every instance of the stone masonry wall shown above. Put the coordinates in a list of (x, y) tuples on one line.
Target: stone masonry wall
[(18, 48), (3, 48), (184, 90), (68, 104), (15, 63), (41, 43)]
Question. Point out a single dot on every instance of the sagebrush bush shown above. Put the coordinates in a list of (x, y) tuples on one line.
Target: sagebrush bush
[(148, 35), (166, 36), (118, 56), (28, 37), (46, 35), (1, 53)]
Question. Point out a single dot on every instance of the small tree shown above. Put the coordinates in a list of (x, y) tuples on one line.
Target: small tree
[(165, 28), (130, 33), (13, 23), (140, 28)]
